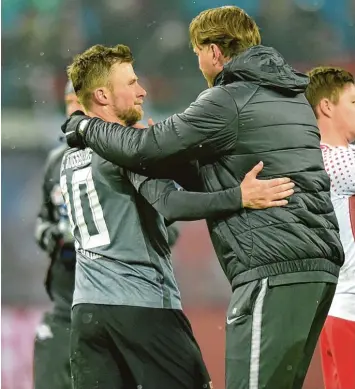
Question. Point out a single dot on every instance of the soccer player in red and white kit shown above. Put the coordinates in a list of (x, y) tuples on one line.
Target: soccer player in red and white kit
[(331, 93)]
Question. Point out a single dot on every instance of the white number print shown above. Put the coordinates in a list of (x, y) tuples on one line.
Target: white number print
[(84, 177), (64, 188)]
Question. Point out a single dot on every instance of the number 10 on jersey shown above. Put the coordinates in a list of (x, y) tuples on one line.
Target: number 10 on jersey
[(83, 205)]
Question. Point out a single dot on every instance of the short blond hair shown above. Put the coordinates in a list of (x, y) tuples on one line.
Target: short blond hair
[(91, 69), (326, 82), (229, 27)]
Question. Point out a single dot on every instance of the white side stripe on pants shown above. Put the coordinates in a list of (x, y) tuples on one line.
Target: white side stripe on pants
[(256, 337)]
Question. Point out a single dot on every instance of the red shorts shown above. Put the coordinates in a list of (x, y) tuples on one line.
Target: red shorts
[(337, 342)]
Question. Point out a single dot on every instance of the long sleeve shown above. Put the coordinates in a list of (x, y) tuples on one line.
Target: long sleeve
[(208, 128), (175, 204)]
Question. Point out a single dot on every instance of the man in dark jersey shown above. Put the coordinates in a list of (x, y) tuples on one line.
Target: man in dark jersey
[(128, 328), (53, 235)]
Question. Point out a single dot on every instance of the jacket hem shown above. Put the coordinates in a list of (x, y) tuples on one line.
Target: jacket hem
[(301, 265)]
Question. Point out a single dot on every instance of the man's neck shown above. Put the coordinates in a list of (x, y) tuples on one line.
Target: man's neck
[(331, 136), (105, 115)]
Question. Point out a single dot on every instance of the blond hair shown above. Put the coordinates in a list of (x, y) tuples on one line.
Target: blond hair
[(229, 27), (91, 69), (326, 82)]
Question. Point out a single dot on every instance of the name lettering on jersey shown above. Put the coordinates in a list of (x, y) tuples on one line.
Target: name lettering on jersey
[(89, 254), (78, 158)]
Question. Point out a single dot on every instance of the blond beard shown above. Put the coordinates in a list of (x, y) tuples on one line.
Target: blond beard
[(130, 116)]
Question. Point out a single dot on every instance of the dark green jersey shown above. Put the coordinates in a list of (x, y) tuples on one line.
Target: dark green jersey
[(123, 256), (53, 235)]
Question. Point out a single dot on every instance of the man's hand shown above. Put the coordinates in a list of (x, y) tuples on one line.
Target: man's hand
[(74, 128), (140, 125), (260, 194)]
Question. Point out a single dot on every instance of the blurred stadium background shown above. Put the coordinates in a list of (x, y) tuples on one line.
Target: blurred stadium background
[(39, 38)]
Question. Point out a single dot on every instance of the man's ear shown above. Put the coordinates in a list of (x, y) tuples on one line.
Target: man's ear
[(325, 107), (216, 53), (101, 96)]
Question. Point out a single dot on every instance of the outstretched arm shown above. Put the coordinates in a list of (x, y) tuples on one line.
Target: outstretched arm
[(176, 204), (207, 128)]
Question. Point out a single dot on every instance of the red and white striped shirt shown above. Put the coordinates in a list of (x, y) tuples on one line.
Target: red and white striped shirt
[(340, 165)]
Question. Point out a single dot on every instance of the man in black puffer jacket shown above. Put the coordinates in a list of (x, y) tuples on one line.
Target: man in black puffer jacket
[(283, 263)]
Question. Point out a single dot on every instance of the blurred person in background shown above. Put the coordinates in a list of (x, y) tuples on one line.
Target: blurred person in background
[(331, 93), (255, 109), (53, 235), (128, 327)]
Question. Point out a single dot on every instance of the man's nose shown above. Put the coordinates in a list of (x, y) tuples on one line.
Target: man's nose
[(142, 92)]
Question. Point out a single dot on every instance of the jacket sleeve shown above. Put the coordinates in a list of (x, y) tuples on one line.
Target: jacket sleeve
[(206, 129), (45, 220), (176, 204)]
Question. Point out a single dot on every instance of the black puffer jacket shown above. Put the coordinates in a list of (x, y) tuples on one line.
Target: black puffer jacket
[(255, 112)]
